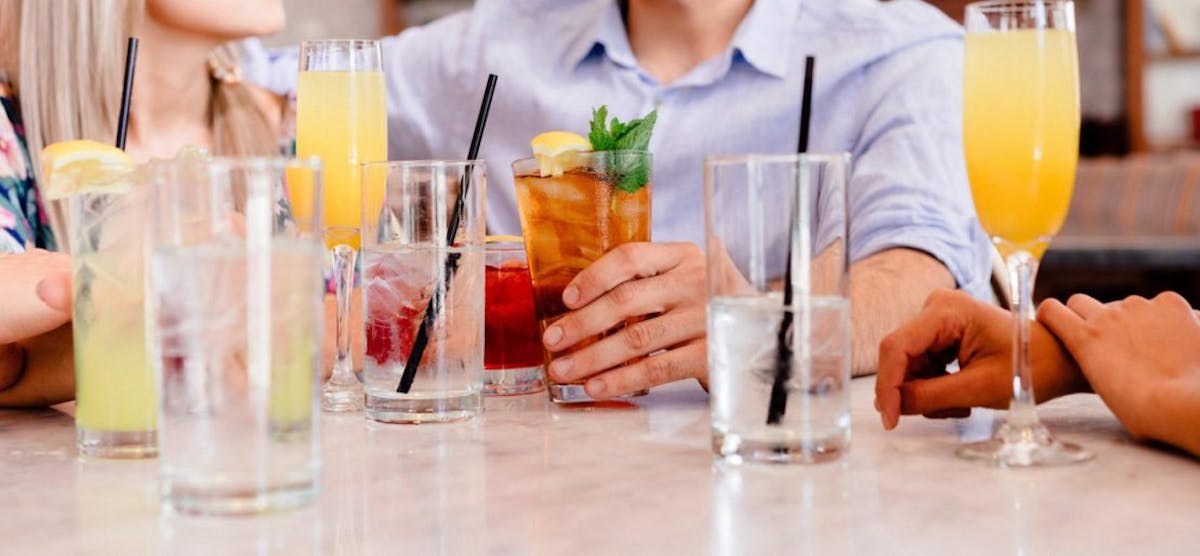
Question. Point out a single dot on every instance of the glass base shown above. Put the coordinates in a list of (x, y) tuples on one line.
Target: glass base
[(192, 498), (574, 393), (391, 407), (116, 445), (342, 398), (737, 449), (1031, 446), (511, 382)]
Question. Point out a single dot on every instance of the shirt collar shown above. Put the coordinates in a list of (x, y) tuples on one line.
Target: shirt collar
[(762, 38)]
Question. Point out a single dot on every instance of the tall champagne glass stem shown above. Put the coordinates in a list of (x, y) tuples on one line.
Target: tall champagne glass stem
[(1022, 268), (343, 391)]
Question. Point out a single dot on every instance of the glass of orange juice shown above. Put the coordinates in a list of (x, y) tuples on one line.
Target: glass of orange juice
[(341, 118), (1021, 140)]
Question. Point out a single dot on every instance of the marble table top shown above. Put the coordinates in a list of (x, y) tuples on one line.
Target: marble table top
[(531, 478)]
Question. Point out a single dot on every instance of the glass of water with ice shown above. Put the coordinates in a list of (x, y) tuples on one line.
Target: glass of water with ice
[(423, 289), (778, 311), (235, 293)]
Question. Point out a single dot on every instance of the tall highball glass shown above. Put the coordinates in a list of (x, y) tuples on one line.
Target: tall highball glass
[(1021, 139), (235, 292)]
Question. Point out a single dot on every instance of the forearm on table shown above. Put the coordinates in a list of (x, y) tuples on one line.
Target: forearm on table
[(886, 290)]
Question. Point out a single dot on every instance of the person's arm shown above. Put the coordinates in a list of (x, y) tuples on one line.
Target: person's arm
[(887, 289), (1142, 357), (912, 222)]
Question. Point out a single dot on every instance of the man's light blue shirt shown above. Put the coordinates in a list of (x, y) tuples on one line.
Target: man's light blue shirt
[(887, 89)]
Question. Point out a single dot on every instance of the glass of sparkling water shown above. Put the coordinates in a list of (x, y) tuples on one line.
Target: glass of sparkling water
[(423, 290), (778, 311), (235, 293)]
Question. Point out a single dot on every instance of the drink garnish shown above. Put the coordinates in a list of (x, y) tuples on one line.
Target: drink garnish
[(555, 150), (70, 167), (614, 135)]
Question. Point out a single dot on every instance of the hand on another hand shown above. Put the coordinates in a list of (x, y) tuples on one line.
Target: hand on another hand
[(666, 284), (36, 364), (912, 375), (1141, 356)]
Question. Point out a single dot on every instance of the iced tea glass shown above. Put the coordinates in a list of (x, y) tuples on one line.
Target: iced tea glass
[(116, 405), (512, 346), (236, 293), (569, 221), (414, 278)]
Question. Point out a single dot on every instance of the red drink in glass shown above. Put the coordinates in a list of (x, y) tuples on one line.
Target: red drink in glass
[(512, 347)]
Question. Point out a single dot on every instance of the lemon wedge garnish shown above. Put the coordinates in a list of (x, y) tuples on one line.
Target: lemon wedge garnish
[(71, 167), (555, 151)]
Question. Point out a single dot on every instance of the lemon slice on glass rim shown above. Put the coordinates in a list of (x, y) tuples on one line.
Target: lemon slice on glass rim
[(70, 167), (555, 151)]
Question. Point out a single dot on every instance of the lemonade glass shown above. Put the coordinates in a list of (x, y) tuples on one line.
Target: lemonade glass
[(115, 397)]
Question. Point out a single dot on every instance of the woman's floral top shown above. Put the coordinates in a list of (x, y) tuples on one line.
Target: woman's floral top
[(22, 221)]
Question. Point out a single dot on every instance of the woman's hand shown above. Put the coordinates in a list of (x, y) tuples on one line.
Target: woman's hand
[(666, 284), (36, 363), (1141, 356), (912, 375)]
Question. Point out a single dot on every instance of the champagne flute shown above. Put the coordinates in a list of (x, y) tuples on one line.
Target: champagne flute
[(341, 118), (1021, 140)]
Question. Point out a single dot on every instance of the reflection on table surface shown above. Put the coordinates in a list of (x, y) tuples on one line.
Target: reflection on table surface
[(530, 478)]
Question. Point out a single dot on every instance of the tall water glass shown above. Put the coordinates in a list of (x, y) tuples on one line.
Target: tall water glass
[(778, 311), (341, 118), (1021, 139), (115, 401), (422, 294), (236, 289)]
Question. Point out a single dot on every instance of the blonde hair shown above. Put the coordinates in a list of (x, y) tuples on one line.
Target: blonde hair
[(67, 67)]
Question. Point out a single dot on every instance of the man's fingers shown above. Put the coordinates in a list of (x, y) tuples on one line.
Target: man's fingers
[(936, 328), (951, 393), (631, 299), (634, 340), (1063, 322), (626, 262), (686, 361), (1085, 306), (954, 413)]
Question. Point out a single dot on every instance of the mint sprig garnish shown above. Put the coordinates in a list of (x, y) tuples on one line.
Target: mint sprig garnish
[(629, 174)]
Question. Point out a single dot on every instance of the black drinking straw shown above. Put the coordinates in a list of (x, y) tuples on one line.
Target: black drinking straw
[(431, 310), (131, 48), (783, 351)]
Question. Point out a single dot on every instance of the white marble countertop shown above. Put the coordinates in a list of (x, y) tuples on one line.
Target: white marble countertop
[(530, 478)]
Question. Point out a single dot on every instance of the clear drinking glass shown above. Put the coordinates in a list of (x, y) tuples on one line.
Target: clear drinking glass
[(778, 310), (116, 404), (423, 299), (1021, 140), (512, 345), (570, 220), (236, 290), (341, 118)]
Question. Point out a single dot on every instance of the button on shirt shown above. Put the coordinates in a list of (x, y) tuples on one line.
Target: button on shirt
[(887, 90)]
